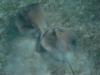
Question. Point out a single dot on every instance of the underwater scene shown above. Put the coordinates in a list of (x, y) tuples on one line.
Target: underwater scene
[(49, 37)]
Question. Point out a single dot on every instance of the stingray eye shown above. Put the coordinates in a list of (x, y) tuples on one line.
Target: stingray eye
[(28, 27), (41, 49), (52, 36), (26, 22), (53, 33), (74, 42), (61, 30)]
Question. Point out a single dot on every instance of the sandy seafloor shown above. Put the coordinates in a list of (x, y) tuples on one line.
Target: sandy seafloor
[(81, 16)]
